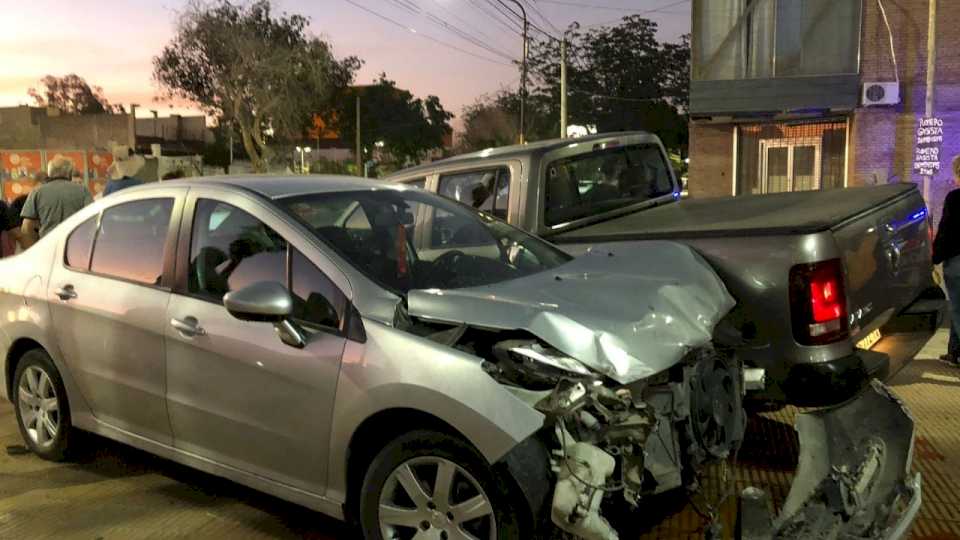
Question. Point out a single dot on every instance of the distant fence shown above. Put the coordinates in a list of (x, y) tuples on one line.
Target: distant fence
[(18, 175)]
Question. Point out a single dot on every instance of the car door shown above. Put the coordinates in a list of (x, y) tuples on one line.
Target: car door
[(236, 394), (108, 300)]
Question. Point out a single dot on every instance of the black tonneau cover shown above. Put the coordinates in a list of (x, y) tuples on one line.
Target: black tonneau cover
[(749, 215)]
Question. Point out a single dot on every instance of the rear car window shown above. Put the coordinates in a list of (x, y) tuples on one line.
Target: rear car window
[(131, 239), (487, 190), (602, 180), (80, 245)]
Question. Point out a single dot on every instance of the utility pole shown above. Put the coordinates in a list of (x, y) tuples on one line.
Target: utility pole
[(931, 80), (523, 71), (563, 89), (359, 150)]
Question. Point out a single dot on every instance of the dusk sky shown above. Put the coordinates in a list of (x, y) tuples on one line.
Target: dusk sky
[(111, 44)]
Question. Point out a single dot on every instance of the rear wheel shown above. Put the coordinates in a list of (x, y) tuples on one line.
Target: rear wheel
[(40, 401), (431, 486)]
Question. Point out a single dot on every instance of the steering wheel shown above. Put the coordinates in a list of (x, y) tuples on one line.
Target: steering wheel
[(449, 260)]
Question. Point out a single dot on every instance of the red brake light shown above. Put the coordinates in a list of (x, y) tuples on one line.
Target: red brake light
[(823, 299), (818, 303)]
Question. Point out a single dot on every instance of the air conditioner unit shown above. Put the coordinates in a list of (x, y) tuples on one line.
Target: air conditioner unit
[(881, 93)]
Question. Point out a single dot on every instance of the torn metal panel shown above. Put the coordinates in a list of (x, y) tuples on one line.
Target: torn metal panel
[(853, 479), (628, 314)]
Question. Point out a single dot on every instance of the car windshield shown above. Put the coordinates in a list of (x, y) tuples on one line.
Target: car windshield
[(408, 239), (605, 179)]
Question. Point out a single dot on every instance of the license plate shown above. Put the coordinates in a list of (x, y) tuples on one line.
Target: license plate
[(870, 340)]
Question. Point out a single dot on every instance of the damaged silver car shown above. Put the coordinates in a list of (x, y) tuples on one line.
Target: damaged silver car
[(388, 356)]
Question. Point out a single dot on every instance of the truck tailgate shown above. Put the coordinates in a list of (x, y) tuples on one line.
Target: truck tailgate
[(886, 256)]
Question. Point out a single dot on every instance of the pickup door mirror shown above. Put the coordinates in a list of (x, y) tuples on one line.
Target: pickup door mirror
[(266, 301)]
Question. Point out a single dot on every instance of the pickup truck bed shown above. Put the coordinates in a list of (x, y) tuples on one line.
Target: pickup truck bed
[(814, 273), (753, 242), (766, 215)]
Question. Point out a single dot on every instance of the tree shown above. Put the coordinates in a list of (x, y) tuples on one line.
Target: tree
[(252, 69), (494, 120), (408, 127), (619, 78), (72, 95)]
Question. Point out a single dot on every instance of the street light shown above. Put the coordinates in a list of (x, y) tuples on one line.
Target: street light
[(303, 150)]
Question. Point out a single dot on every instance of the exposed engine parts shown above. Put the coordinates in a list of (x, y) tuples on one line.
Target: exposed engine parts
[(628, 441)]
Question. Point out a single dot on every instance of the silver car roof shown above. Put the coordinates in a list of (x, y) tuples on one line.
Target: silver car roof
[(279, 186)]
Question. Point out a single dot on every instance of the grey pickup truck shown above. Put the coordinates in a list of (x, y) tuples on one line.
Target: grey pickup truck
[(814, 274)]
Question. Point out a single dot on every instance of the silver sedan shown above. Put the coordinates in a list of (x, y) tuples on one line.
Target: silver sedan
[(378, 353)]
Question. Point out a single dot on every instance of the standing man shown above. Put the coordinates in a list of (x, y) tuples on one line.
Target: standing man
[(52, 202), (946, 250)]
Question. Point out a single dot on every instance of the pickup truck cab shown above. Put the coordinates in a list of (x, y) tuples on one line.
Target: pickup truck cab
[(813, 273)]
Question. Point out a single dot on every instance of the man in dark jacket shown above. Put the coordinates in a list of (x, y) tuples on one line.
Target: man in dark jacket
[(946, 250)]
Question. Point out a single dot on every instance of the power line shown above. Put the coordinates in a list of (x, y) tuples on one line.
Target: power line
[(507, 14), (485, 10), (466, 23), (530, 23), (594, 6), (412, 7), (543, 18), (425, 36), (641, 12)]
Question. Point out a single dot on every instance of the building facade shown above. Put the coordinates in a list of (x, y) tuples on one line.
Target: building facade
[(790, 95)]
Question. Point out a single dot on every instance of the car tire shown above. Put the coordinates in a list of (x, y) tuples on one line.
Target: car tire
[(41, 406), (418, 457)]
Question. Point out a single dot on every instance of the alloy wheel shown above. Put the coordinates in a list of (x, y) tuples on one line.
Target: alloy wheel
[(432, 498), (39, 406)]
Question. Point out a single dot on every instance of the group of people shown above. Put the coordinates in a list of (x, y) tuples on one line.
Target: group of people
[(59, 195)]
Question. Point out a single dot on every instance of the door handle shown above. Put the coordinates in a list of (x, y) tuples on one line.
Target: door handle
[(188, 326), (66, 293)]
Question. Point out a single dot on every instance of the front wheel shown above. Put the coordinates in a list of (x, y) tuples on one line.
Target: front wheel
[(40, 400), (430, 486)]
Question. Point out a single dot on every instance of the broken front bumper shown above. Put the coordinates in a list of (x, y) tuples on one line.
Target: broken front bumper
[(853, 479)]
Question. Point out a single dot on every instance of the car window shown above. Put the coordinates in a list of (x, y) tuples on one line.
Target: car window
[(605, 179), (316, 300), (131, 240), (230, 249), (80, 245), (487, 190), (419, 182), (416, 240)]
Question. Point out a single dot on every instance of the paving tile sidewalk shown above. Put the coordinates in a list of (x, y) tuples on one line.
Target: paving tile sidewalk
[(115, 492)]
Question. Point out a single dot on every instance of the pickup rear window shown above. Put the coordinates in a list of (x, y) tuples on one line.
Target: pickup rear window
[(604, 179)]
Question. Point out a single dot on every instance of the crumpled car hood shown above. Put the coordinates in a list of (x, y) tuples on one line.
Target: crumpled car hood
[(629, 313)]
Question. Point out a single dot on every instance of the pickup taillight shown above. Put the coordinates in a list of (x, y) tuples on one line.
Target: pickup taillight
[(818, 303)]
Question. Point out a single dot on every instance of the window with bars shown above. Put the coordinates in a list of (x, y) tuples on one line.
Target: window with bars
[(779, 157)]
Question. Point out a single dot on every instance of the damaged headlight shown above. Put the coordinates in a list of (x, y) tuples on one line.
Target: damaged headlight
[(532, 365)]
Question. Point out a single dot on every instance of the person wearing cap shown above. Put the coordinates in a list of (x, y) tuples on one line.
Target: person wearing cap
[(52, 202), (125, 166)]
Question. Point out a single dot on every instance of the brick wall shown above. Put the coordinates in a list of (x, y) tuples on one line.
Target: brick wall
[(18, 129), (32, 127), (86, 131), (711, 160), (884, 137)]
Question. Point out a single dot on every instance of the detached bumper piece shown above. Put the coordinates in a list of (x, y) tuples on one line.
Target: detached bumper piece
[(853, 480)]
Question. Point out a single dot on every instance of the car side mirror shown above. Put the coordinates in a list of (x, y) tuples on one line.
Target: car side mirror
[(266, 301)]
